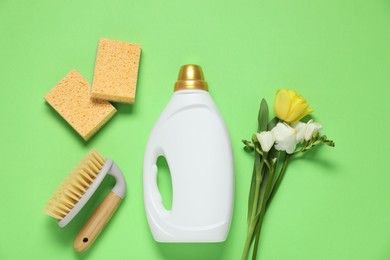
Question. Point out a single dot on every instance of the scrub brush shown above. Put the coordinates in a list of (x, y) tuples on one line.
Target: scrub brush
[(76, 190)]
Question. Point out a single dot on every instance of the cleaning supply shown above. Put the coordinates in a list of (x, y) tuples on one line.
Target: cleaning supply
[(71, 99), (193, 138), (116, 71), (78, 188)]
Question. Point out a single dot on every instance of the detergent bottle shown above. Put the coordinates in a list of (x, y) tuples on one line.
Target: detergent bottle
[(192, 136)]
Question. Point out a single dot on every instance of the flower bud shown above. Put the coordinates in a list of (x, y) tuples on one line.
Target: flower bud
[(290, 107)]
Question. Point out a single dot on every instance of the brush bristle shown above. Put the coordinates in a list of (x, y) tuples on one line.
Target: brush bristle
[(75, 185)]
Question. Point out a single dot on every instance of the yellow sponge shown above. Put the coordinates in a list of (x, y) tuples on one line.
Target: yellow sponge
[(116, 71), (71, 99)]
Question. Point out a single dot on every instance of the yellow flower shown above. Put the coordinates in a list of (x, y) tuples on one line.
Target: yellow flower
[(290, 106)]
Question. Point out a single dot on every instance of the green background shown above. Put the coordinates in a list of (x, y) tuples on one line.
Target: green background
[(333, 203)]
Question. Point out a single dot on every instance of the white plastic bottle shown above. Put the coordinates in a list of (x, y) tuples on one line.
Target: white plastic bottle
[(193, 138)]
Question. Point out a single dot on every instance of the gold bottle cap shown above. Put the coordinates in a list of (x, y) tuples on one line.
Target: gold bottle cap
[(191, 77)]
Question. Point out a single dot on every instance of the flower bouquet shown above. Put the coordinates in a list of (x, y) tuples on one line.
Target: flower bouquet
[(277, 142)]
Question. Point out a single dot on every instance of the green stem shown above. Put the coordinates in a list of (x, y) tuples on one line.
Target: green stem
[(257, 190), (256, 197), (256, 246), (248, 242), (252, 225), (263, 209), (257, 231), (279, 180), (269, 193)]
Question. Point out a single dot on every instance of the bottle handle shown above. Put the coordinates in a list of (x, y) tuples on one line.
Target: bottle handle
[(152, 196)]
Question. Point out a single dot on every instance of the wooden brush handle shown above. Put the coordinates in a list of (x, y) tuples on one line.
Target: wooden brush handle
[(96, 222)]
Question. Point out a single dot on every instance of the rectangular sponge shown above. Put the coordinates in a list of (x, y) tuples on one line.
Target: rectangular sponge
[(71, 99), (116, 71)]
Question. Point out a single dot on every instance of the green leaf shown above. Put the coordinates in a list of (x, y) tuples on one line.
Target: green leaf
[(258, 163), (263, 116), (273, 123), (256, 173), (251, 194)]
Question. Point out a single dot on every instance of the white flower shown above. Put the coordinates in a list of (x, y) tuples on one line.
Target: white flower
[(306, 131), (301, 130), (311, 129), (285, 137), (266, 140)]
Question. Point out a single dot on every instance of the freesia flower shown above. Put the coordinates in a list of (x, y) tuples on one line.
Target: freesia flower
[(290, 106), (266, 140), (301, 130), (305, 131), (311, 129), (285, 137)]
